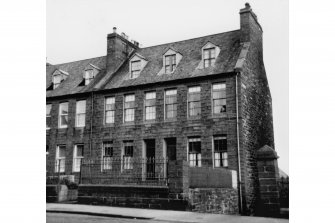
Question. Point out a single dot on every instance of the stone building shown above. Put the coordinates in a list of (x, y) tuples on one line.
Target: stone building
[(178, 125)]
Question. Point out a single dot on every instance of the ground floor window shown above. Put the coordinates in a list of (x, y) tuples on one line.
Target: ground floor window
[(107, 155), (78, 155), (60, 158), (220, 151), (127, 156), (194, 151)]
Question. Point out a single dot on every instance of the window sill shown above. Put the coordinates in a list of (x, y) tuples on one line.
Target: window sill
[(170, 120), (194, 117), (109, 124), (214, 116), (149, 122), (128, 123)]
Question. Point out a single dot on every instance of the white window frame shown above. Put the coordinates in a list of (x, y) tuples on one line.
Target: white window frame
[(225, 157), (60, 115), (125, 109), (127, 161), (193, 90), (60, 160), (112, 109), (150, 102), (198, 157), (80, 113), (48, 115), (107, 160), (77, 159), (210, 56), (89, 76), (165, 95), (172, 63), (135, 73), (212, 97), (57, 77)]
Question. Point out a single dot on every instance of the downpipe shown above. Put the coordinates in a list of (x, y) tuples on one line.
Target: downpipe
[(238, 146)]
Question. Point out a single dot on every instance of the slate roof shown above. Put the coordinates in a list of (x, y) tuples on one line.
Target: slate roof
[(228, 42), (75, 70)]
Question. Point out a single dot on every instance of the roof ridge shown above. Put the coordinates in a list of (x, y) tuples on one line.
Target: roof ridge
[(189, 39), (77, 61)]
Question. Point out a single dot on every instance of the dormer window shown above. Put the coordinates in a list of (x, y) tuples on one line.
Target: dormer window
[(58, 77), (171, 59), (170, 63), (209, 57), (89, 75), (136, 65), (210, 53), (135, 68)]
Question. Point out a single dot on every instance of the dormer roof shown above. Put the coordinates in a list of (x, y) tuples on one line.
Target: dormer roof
[(191, 51), (90, 66)]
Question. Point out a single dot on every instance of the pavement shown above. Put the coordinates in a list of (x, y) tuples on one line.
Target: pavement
[(156, 215)]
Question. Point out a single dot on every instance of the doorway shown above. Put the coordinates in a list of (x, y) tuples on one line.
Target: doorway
[(150, 158)]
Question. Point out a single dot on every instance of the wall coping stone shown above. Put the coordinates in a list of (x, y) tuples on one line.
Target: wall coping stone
[(267, 153)]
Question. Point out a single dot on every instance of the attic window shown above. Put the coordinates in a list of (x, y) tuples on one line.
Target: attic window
[(209, 57), (170, 63), (89, 75), (135, 68), (136, 65), (58, 77), (210, 53), (171, 59), (56, 80)]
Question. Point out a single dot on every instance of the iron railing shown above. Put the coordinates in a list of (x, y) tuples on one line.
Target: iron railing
[(124, 171)]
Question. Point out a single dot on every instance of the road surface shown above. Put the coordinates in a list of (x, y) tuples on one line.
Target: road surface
[(77, 218)]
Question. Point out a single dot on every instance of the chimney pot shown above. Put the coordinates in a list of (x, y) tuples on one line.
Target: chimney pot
[(114, 29), (247, 5)]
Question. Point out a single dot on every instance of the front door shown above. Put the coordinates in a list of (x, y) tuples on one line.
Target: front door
[(150, 158)]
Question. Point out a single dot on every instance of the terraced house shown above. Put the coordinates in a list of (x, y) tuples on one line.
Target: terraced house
[(183, 125)]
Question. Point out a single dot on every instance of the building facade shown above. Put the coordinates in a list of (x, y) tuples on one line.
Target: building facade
[(158, 117)]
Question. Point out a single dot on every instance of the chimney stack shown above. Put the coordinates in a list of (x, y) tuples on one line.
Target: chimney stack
[(118, 48), (251, 30)]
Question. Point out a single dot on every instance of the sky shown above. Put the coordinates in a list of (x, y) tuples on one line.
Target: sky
[(77, 29)]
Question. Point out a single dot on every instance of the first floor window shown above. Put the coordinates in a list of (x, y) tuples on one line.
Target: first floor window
[(171, 104), (194, 103), (194, 151), (78, 155), (220, 151), (80, 113), (219, 98), (128, 150), (63, 115), (107, 155), (60, 158), (150, 105), (129, 108), (109, 110), (48, 114)]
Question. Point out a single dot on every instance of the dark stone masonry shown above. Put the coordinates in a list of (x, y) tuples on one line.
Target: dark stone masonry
[(182, 125)]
